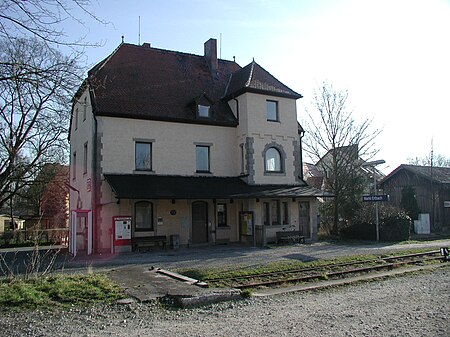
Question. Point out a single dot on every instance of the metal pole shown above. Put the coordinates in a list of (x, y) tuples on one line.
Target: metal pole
[(376, 206)]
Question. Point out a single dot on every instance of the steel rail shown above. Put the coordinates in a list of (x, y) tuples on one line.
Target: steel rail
[(326, 266), (339, 273)]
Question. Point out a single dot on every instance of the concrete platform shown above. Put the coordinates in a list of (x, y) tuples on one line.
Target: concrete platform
[(146, 284)]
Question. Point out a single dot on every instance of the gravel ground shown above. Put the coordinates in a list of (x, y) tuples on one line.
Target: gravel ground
[(412, 305)]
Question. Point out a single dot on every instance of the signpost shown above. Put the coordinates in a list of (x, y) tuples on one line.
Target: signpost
[(376, 198)]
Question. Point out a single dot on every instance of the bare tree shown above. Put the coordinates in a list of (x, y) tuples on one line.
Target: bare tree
[(435, 160), (35, 94), (337, 144), (45, 20)]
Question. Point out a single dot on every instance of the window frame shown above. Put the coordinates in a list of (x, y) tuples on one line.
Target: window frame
[(197, 148), (74, 165), (151, 227), (222, 224), (280, 159), (266, 213), (148, 168), (202, 107), (84, 108), (85, 158), (275, 216), (272, 213), (285, 210), (76, 119), (269, 112)]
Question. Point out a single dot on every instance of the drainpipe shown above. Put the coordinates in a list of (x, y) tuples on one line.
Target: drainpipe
[(301, 133), (237, 108), (94, 198)]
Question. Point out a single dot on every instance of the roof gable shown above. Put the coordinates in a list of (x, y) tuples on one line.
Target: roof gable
[(149, 83), (254, 78)]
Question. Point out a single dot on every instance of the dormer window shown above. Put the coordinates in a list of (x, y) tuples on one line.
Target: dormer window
[(203, 111)]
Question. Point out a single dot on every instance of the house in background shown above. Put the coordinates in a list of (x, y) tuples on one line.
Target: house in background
[(349, 160), (7, 225), (432, 190), (195, 148)]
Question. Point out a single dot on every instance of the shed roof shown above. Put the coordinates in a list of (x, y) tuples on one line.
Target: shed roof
[(436, 174), (132, 186)]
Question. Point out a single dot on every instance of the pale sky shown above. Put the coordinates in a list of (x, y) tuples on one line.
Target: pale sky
[(393, 56)]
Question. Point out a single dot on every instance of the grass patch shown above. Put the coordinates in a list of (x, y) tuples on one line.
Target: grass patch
[(281, 266), (58, 290)]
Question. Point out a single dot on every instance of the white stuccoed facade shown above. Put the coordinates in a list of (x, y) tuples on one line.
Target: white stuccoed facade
[(235, 151)]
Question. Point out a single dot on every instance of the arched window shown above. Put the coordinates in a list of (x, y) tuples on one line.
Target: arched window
[(143, 216), (272, 160)]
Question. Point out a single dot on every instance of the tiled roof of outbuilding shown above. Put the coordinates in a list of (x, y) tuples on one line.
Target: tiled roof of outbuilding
[(149, 83), (437, 174), (254, 78)]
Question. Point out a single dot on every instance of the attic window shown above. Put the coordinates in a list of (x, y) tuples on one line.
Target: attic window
[(203, 111)]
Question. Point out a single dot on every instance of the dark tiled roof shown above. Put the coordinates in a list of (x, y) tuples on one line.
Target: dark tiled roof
[(129, 186), (437, 174), (149, 83), (254, 78)]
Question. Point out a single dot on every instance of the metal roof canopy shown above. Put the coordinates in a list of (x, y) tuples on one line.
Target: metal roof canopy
[(136, 186)]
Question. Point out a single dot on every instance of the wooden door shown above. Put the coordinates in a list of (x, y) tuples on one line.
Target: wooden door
[(304, 218), (199, 222)]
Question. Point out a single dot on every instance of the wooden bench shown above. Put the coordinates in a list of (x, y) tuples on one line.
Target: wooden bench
[(290, 237), (148, 241)]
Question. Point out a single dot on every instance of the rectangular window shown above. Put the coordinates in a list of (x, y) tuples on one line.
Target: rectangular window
[(84, 108), (74, 166), (242, 159), (202, 158), (275, 212), (221, 215), (143, 216), (143, 156), (272, 111), (266, 213), (203, 111), (76, 118), (285, 213), (85, 157)]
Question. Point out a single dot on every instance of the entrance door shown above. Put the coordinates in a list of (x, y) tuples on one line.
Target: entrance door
[(80, 235), (304, 219), (199, 222)]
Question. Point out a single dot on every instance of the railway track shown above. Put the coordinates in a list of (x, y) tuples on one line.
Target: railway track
[(327, 271)]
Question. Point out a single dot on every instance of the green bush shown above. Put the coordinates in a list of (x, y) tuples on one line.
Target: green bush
[(394, 224), (359, 231)]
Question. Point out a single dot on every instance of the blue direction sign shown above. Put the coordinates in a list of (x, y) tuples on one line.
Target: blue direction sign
[(374, 198)]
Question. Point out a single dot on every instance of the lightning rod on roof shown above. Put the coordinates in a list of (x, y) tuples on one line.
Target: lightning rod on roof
[(123, 38), (139, 31)]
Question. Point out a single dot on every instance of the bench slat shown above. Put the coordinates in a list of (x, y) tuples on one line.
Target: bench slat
[(290, 236), (147, 241)]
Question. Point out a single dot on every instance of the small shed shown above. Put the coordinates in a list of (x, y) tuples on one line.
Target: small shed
[(432, 190)]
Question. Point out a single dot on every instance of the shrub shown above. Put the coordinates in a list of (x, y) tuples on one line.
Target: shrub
[(394, 224)]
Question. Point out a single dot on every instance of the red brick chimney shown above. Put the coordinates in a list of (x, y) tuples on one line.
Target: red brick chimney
[(211, 56)]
